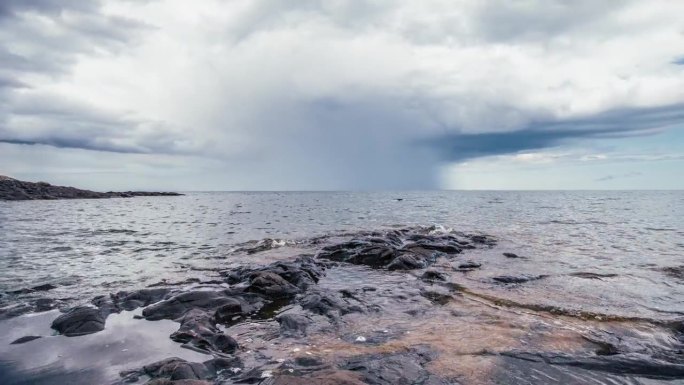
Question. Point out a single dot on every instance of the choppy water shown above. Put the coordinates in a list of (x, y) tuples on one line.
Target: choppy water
[(86, 247), (611, 253)]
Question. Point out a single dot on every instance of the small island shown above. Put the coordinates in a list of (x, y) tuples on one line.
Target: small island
[(16, 190)]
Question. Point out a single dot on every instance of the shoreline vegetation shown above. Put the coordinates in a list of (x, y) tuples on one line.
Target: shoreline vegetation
[(16, 190)]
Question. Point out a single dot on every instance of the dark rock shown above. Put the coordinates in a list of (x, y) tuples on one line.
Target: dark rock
[(293, 325), (44, 287), (227, 312), (470, 265), (325, 377), (45, 304), (517, 279), (437, 297), (329, 304), (79, 321), (390, 369), (372, 252), (177, 369), (180, 304), (24, 339), (588, 275), (405, 249), (165, 381), (510, 255), (308, 361), (140, 298), (628, 364), (12, 189), (407, 261), (433, 275), (272, 285)]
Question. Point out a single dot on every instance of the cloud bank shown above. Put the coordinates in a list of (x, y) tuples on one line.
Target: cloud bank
[(336, 94)]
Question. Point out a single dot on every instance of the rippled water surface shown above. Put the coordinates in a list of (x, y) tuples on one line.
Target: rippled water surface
[(87, 247), (599, 255)]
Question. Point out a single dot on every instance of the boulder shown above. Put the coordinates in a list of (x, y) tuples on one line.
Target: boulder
[(293, 325), (79, 321)]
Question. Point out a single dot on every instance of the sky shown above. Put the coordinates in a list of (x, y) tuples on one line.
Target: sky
[(343, 94)]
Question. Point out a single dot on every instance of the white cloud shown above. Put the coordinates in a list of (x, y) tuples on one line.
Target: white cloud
[(331, 94)]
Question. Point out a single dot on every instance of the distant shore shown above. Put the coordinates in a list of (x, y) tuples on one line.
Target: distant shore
[(16, 190)]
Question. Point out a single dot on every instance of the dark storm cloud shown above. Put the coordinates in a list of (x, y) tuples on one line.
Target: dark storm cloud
[(543, 134)]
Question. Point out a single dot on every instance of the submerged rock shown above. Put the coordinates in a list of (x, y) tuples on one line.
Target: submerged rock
[(293, 325), (177, 371), (392, 369), (518, 278), (24, 340), (470, 265)]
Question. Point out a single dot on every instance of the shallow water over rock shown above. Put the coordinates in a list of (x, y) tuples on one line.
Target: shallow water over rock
[(432, 304)]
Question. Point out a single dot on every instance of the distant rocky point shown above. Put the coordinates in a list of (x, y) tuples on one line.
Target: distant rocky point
[(16, 190)]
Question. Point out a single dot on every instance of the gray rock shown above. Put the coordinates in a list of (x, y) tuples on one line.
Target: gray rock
[(293, 325), (79, 321)]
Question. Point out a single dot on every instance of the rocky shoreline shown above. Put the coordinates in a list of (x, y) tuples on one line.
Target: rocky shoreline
[(378, 308), (16, 190)]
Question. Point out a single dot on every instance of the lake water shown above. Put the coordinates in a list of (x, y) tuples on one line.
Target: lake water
[(618, 254)]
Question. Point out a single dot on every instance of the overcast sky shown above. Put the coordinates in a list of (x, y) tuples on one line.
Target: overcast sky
[(343, 94)]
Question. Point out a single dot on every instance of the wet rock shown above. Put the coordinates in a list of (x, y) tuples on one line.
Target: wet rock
[(79, 321), (140, 298), (115, 303), (308, 361), (44, 287), (634, 364), (405, 249), (164, 381), (588, 275), (433, 275), (444, 243), (326, 377), (372, 252), (227, 312), (510, 255), (180, 304), (483, 240), (178, 371), (328, 304), (293, 325), (407, 261), (271, 285), (470, 265), (437, 297), (674, 271), (391, 369), (198, 328), (45, 304), (24, 340), (517, 279)]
